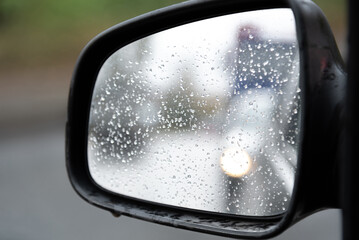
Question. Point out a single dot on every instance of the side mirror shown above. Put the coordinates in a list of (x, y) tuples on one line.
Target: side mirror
[(215, 116)]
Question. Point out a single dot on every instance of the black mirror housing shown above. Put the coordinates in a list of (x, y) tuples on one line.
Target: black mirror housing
[(322, 80)]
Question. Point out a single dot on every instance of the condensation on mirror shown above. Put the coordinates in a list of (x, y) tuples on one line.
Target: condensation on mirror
[(203, 116)]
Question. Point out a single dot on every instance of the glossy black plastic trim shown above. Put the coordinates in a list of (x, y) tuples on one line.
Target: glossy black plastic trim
[(324, 76), (350, 163), (321, 104)]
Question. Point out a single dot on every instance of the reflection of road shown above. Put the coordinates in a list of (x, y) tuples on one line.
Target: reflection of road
[(180, 166), (179, 170), (38, 203), (184, 170)]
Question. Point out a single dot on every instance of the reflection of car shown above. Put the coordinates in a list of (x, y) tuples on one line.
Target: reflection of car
[(265, 100), (319, 128), (250, 119)]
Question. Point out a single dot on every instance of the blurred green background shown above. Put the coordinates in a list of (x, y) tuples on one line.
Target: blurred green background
[(41, 39), (38, 32)]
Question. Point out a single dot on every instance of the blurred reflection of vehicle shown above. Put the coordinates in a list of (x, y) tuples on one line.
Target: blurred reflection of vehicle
[(263, 116)]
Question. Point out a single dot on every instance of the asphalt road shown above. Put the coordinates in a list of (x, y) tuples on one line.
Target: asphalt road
[(38, 202)]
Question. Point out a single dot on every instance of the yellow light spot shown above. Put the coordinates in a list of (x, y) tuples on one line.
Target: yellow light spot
[(235, 162)]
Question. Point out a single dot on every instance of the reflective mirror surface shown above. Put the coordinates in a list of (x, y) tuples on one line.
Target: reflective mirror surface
[(203, 116)]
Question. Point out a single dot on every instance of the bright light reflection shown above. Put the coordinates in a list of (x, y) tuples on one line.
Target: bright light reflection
[(235, 162)]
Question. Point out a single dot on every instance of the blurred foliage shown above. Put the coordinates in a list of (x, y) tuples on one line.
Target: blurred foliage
[(335, 11), (39, 32)]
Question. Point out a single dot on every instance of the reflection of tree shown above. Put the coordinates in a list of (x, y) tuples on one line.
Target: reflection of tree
[(178, 110), (126, 111), (120, 90), (185, 107)]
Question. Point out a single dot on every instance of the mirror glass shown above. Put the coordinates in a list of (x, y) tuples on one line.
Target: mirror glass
[(202, 116)]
